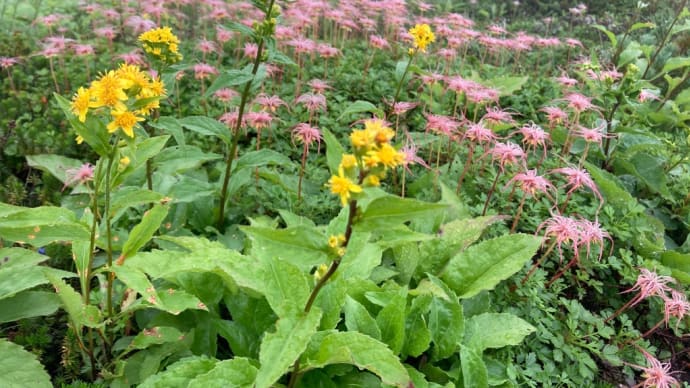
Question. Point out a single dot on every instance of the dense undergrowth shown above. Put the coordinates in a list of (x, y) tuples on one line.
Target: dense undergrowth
[(361, 193)]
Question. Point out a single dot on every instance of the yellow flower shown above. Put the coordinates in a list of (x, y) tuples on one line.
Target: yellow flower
[(362, 139), (81, 103), (422, 35), (162, 44), (124, 119), (109, 91), (124, 161), (133, 76), (348, 161), (381, 133), (343, 186), (389, 156), (372, 180), (79, 139), (320, 272)]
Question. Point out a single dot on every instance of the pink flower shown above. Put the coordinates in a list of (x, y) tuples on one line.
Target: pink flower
[(477, 133), (554, 115), (203, 71), (507, 154), (306, 134), (107, 32), (592, 135), (225, 94), (676, 306), (566, 81), (312, 102), (251, 50), (302, 45), (579, 102), (577, 178), (206, 46), (533, 135), (223, 35), (649, 284), (83, 49), (327, 51), (441, 124), (531, 183), (7, 62), (230, 119), (139, 24), (646, 95), (592, 233), (570, 42), (259, 120), (658, 374), (132, 58), (409, 152), (319, 86), (495, 116), (563, 230), (269, 103), (378, 42), (79, 175), (401, 107)]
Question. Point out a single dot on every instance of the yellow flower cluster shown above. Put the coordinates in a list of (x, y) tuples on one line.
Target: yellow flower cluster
[(118, 92), (161, 44), (373, 156), (422, 35), (336, 244)]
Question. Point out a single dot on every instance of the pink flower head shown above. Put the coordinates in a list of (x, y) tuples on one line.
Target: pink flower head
[(269, 103), (401, 107), (302, 45), (657, 374), (7, 62), (531, 183), (554, 115), (111, 14), (533, 135), (577, 178), (132, 58), (251, 50), (409, 152), (139, 24), (592, 135), (107, 32), (649, 284), (563, 230), (319, 86), (571, 42), (646, 95), (676, 306), (507, 154), (444, 125), (79, 175), (327, 51), (306, 134), (206, 46), (225, 95), (83, 49), (223, 35), (566, 81), (461, 85), (203, 71), (579, 102), (495, 116), (477, 133), (378, 42), (259, 120), (592, 233), (230, 119), (447, 54), (312, 102)]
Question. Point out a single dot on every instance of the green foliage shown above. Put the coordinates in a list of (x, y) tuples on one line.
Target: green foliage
[(20, 367)]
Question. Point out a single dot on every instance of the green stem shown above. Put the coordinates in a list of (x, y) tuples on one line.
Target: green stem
[(665, 38), (108, 230), (235, 140), (86, 287), (402, 79)]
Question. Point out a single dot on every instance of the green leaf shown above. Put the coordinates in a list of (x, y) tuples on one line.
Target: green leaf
[(142, 232), (484, 265), (391, 321), (237, 372), (679, 263), (28, 304), (334, 151), (93, 130), (155, 336), (507, 85), (675, 63), (79, 313), (129, 197), (333, 347), (56, 165), (446, 323), (389, 210), (230, 78), (291, 219), (641, 25), (287, 287), (20, 368), (41, 225), (261, 157), (302, 246), (611, 190), (360, 106), (474, 373), (417, 333), (609, 34), (182, 158), (357, 318), (495, 330), (19, 271), (281, 348), (208, 127), (361, 257), (170, 125), (181, 373)]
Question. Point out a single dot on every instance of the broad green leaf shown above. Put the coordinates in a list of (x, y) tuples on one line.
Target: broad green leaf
[(334, 151), (495, 330), (389, 210), (484, 265), (79, 313), (28, 304), (292, 219), (93, 130), (146, 363), (237, 372), (230, 78), (400, 67), (169, 124), (360, 106), (19, 258), (208, 127), (129, 197), (261, 158), (181, 373), (507, 85), (357, 318), (287, 287), (137, 281), (609, 34), (142, 232), (610, 189), (331, 300), (399, 235), (675, 63), (647, 167), (474, 373), (19, 271), (186, 189), (417, 333), (447, 325), (641, 25), (41, 225), (679, 263), (56, 165), (391, 321), (155, 336), (20, 368), (680, 27), (334, 347), (282, 347), (182, 158), (302, 246), (361, 257)]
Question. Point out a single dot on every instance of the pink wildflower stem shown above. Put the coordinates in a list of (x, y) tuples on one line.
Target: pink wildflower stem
[(491, 192), (584, 155), (519, 213), (565, 203), (541, 260), (561, 272), (52, 74), (620, 310), (653, 329), (301, 171), (468, 162)]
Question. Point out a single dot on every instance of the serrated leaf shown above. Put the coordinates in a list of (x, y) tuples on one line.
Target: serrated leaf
[(144, 230), (389, 210), (333, 347), (391, 321), (28, 304), (281, 348), (169, 124), (155, 336), (180, 373), (474, 373), (20, 368), (334, 150), (261, 157), (675, 63), (609, 34), (182, 158), (447, 326), (208, 127), (41, 225), (484, 265), (129, 197), (237, 372), (56, 165), (301, 246), (360, 106), (287, 287), (357, 318), (495, 330), (79, 313)]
